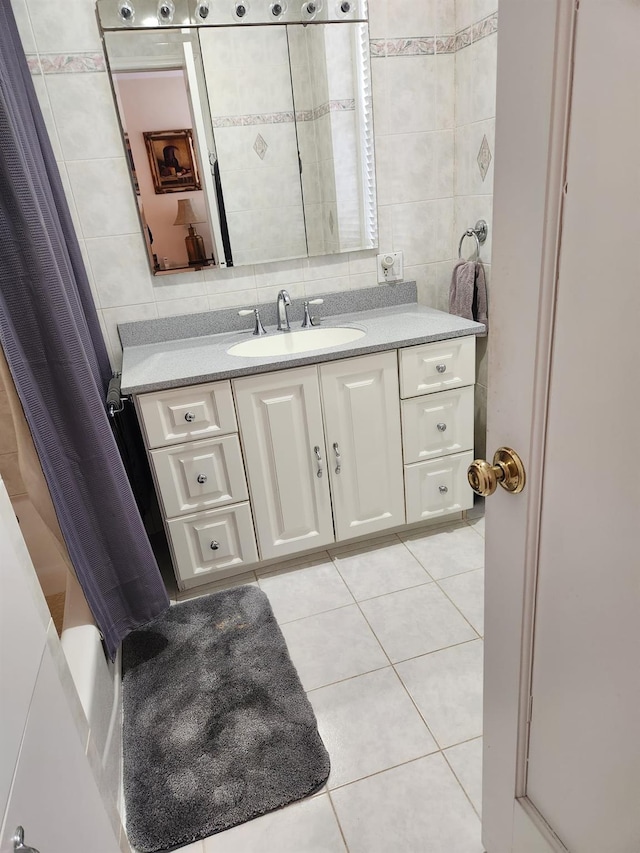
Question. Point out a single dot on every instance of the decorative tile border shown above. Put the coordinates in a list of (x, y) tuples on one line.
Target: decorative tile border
[(67, 63), (286, 117), (87, 63), (430, 45)]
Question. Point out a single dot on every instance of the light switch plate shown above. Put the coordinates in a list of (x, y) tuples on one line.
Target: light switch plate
[(390, 267)]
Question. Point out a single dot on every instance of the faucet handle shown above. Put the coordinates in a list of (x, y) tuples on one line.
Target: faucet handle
[(308, 319), (259, 329)]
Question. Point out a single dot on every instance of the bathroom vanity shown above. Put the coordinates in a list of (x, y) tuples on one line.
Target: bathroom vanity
[(264, 457)]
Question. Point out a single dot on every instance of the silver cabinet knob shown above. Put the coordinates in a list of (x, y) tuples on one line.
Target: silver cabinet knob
[(214, 545), (443, 490), (316, 450), (189, 417), (441, 368), (202, 479), (442, 427), (18, 842)]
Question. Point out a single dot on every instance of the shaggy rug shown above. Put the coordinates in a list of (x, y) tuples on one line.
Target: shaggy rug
[(217, 728)]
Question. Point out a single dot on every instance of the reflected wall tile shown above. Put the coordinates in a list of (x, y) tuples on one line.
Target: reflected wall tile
[(85, 115), (68, 28), (378, 12), (103, 197), (121, 270), (68, 192)]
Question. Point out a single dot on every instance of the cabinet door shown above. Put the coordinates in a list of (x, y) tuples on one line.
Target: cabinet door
[(362, 424), (281, 427)]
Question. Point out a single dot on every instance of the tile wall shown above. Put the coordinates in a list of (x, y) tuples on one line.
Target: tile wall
[(475, 100), (414, 68)]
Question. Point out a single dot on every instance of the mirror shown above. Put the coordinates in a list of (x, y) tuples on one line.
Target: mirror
[(248, 144)]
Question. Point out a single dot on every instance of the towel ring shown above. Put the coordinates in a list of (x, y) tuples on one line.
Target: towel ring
[(479, 232)]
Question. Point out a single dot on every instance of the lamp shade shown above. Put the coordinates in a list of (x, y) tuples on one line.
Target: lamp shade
[(186, 214)]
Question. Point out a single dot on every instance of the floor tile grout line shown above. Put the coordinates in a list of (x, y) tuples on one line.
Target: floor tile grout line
[(385, 770), (444, 592), (348, 678), (320, 613), (435, 651), (464, 790), (403, 685), (335, 813)]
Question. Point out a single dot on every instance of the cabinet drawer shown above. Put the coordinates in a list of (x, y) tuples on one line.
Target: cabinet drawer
[(438, 366), (186, 414), (438, 487), (437, 424), (201, 475), (216, 541)]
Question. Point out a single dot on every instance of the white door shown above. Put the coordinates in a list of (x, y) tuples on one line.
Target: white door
[(361, 406), (283, 439), (562, 672)]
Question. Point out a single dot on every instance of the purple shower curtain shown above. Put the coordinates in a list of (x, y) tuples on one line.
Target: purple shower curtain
[(52, 341)]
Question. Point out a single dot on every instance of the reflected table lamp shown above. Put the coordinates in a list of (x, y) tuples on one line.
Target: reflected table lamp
[(193, 241)]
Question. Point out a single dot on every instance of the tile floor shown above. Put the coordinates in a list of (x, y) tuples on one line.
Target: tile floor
[(387, 640)]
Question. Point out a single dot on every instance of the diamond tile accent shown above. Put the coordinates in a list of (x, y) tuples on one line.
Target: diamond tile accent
[(484, 157), (260, 147)]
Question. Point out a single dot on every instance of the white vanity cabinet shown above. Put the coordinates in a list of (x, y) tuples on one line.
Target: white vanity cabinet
[(436, 382), (318, 454), (196, 460), (305, 456)]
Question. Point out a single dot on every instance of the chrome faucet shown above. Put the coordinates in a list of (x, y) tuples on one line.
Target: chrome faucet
[(284, 301)]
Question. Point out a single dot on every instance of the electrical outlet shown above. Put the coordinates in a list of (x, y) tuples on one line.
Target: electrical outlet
[(390, 267)]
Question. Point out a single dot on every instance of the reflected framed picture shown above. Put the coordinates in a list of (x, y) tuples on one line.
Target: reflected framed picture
[(132, 165), (172, 159)]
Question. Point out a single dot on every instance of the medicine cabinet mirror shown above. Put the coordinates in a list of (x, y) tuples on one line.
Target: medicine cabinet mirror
[(247, 144)]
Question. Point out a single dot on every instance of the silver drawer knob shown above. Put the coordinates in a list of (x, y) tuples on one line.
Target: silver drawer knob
[(443, 490), (202, 479), (214, 545), (442, 427), (189, 417), (18, 842), (441, 368)]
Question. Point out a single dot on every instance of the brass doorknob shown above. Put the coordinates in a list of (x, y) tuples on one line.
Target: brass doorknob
[(507, 469)]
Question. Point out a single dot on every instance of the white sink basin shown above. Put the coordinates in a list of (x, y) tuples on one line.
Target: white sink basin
[(289, 343)]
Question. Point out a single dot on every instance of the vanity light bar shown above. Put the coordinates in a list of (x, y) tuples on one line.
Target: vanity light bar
[(154, 14)]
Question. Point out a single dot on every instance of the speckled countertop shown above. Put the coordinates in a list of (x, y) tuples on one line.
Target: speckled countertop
[(160, 364)]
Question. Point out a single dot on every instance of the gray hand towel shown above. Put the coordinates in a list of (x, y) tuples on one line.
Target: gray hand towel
[(468, 291)]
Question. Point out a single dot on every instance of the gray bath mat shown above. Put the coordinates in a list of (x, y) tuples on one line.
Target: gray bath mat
[(217, 728)]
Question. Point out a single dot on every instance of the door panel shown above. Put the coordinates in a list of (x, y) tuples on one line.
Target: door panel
[(584, 753), (281, 426), (362, 417)]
